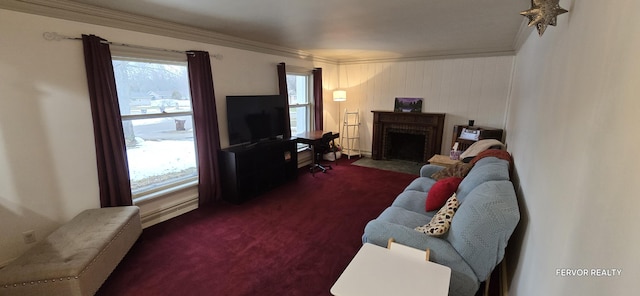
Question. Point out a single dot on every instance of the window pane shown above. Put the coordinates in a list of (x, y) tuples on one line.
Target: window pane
[(299, 119), (160, 146), (297, 86), (299, 96), (151, 88), (161, 153)]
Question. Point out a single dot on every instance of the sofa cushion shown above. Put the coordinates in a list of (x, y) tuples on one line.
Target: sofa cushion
[(422, 184), (441, 222), (429, 169), (440, 192), (486, 169), (483, 224), (403, 217), (414, 201), (457, 170)]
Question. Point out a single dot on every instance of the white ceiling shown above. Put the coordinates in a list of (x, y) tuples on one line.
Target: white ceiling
[(348, 29)]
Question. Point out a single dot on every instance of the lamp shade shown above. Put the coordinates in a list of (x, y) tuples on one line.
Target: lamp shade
[(339, 95)]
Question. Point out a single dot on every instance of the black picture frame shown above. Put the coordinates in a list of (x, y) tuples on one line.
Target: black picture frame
[(408, 105)]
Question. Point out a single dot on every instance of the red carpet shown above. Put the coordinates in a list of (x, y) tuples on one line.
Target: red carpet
[(295, 240)]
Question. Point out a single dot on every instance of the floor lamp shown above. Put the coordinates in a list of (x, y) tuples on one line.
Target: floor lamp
[(339, 96)]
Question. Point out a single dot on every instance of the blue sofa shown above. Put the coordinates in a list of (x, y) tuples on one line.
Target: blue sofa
[(480, 229)]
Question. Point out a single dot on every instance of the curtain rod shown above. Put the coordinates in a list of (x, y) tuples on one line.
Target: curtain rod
[(53, 36)]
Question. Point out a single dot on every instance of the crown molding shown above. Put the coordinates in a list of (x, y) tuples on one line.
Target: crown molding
[(433, 56), (523, 33), (79, 12)]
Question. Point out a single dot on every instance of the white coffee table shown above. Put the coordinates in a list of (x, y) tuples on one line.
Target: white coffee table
[(400, 270)]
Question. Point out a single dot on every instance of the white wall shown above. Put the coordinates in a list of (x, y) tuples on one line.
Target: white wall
[(571, 129), (47, 157), (464, 88)]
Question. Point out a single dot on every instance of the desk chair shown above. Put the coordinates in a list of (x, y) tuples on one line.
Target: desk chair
[(321, 147)]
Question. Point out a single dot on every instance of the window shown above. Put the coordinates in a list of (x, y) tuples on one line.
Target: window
[(157, 119), (299, 88)]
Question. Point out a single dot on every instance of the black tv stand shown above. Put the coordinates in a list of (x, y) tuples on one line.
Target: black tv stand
[(250, 146), (250, 170)]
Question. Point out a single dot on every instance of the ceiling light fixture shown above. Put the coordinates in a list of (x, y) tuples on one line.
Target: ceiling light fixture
[(543, 13)]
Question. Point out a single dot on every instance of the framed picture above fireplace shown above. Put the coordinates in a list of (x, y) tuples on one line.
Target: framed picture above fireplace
[(408, 105)]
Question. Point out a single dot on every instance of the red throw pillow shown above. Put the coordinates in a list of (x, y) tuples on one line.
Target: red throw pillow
[(440, 192)]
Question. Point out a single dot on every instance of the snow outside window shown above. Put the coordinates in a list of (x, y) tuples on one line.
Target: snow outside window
[(157, 119)]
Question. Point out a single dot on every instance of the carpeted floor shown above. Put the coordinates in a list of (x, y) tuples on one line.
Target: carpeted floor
[(294, 240), (402, 166)]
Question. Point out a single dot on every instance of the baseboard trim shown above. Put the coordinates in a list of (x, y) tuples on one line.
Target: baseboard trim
[(161, 215)]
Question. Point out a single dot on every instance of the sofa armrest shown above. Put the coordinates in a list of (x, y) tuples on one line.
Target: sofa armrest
[(429, 169)]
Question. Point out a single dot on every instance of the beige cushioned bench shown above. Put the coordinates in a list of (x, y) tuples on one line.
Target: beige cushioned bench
[(76, 258)]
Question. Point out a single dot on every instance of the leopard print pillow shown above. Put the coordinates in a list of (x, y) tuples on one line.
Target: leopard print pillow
[(459, 170), (441, 222)]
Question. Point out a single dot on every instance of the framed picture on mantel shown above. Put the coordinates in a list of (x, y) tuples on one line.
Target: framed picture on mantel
[(408, 105)]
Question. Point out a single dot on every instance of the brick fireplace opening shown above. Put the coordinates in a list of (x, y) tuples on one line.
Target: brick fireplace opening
[(404, 144), (406, 135)]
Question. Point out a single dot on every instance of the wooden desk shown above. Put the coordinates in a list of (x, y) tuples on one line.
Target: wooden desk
[(380, 271), (312, 138)]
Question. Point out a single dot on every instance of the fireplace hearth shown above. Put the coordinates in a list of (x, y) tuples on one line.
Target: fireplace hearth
[(406, 136)]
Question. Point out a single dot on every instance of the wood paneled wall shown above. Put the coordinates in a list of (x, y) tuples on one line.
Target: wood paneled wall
[(465, 88)]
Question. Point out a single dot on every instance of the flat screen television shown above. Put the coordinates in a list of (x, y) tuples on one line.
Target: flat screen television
[(253, 119)]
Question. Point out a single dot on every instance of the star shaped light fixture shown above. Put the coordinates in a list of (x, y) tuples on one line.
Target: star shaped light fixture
[(543, 13)]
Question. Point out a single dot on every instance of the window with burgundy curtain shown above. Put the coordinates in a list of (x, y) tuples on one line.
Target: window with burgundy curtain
[(317, 98), (206, 125), (282, 86), (111, 156)]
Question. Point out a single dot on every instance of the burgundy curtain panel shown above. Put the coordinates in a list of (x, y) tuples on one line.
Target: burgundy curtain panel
[(111, 153), (206, 125), (317, 99), (282, 86)]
